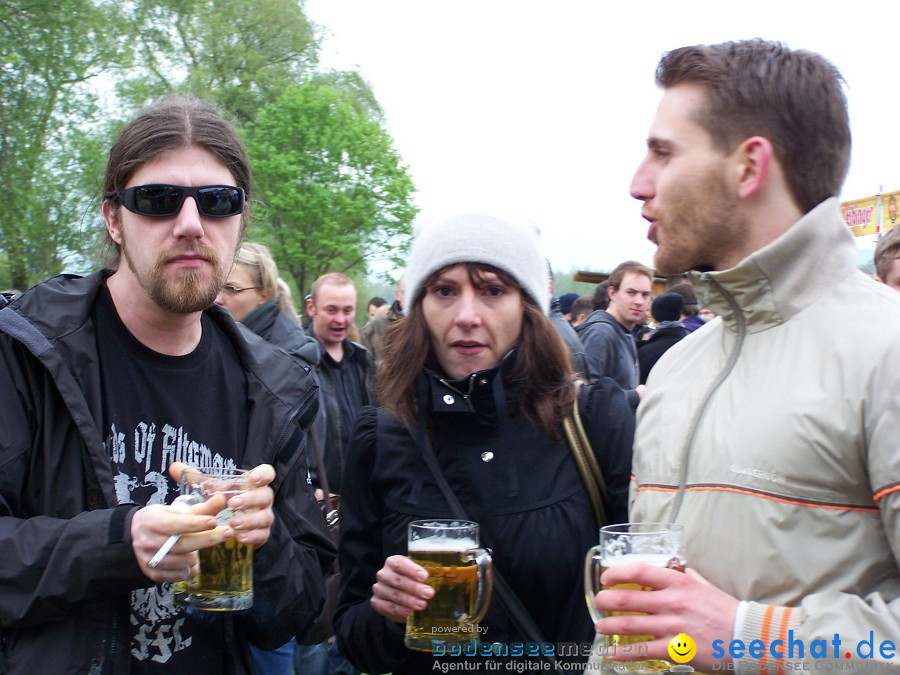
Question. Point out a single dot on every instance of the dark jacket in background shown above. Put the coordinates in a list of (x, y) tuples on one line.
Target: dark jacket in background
[(660, 340), (692, 323), (271, 323), (68, 567), (570, 337), (338, 420), (610, 351)]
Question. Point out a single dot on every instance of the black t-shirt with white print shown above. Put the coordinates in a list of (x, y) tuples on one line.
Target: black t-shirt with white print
[(159, 409)]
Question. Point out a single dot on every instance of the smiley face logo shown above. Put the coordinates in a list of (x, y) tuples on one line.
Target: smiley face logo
[(682, 648)]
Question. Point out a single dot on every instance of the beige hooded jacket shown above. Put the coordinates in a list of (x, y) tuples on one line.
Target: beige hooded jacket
[(773, 434)]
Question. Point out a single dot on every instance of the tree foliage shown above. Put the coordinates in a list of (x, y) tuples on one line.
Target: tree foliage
[(47, 54), (334, 193), (251, 58), (241, 54)]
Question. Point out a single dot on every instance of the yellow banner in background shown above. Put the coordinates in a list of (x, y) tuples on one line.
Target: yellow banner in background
[(890, 205), (861, 216)]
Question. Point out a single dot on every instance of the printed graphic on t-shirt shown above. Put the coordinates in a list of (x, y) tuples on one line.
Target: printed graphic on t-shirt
[(140, 460), (158, 622)]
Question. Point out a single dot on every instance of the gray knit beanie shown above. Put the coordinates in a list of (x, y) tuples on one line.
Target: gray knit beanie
[(478, 238)]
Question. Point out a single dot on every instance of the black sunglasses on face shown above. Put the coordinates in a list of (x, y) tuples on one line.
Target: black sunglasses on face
[(161, 201)]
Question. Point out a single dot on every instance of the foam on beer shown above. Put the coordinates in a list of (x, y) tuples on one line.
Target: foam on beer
[(655, 559), (438, 544)]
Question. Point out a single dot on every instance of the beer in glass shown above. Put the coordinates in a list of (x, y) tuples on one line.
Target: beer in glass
[(225, 579), (658, 544), (460, 574)]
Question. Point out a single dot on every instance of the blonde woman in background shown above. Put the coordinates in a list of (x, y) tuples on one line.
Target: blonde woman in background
[(258, 297)]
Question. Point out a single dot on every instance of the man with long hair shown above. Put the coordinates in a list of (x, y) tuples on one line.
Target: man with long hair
[(111, 384)]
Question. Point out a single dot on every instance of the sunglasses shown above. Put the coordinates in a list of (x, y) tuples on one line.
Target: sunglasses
[(162, 201)]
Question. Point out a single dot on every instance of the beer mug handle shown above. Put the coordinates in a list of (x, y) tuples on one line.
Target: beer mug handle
[(485, 566), (592, 570)]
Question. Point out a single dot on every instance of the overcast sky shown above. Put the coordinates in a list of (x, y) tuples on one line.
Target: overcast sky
[(538, 110)]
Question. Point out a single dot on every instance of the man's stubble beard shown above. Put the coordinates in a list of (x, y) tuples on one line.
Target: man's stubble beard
[(709, 214), (190, 290)]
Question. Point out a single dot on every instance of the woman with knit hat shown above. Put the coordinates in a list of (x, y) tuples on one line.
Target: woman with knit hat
[(476, 374)]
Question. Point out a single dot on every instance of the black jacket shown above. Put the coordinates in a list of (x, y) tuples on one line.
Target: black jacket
[(270, 322), (68, 567), (518, 483), (659, 342), (338, 421), (569, 337)]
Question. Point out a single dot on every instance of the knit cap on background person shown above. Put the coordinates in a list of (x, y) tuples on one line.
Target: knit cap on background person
[(691, 309), (667, 307), (479, 238), (565, 302)]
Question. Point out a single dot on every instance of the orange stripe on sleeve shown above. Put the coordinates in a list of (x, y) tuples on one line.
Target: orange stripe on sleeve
[(766, 630), (888, 490), (783, 633)]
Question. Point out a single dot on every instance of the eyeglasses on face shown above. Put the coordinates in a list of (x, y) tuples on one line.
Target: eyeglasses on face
[(234, 290), (163, 201)]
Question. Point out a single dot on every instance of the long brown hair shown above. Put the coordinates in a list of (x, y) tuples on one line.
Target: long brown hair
[(540, 378)]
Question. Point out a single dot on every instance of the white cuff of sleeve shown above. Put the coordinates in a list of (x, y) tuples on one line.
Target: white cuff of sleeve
[(739, 617)]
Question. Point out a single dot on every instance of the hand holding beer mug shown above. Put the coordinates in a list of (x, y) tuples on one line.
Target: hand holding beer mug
[(225, 579), (658, 544), (462, 578)]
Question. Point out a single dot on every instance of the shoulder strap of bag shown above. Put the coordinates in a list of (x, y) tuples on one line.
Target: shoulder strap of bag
[(587, 464), (331, 514), (514, 608)]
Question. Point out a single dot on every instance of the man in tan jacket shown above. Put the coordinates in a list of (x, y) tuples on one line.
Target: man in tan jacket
[(772, 434)]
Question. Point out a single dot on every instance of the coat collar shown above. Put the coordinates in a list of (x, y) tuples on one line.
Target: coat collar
[(776, 282)]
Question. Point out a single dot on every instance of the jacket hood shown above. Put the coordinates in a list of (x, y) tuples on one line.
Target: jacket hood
[(599, 316)]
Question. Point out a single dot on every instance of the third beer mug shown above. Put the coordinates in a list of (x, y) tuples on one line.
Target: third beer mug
[(658, 544), (460, 574)]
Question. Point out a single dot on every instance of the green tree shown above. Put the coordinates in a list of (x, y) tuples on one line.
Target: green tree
[(48, 52), (241, 54), (333, 191)]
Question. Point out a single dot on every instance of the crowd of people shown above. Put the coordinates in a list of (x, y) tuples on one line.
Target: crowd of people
[(747, 403)]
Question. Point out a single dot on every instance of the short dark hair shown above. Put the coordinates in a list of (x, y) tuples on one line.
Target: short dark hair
[(583, 304), (600, 299), (377, 302), (171, 123), (886, 250), (632, 266), (795, 99)]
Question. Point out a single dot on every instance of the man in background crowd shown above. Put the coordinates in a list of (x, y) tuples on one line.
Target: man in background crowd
[(609, 345), (581, 308), (666, 311), (345, 371), (887, 259), (372, 334)]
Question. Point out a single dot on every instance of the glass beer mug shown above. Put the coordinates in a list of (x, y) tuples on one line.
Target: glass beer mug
[(462, 578), (659, 544), (225, 579)]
